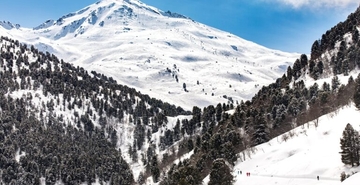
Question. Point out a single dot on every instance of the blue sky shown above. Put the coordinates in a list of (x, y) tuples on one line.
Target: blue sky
[(287, 25)]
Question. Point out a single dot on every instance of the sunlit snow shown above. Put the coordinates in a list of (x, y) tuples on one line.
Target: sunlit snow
[(311, 151), (145, 48)]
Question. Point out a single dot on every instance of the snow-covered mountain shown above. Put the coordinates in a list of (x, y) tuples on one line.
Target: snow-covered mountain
[(163, 54), (8, 25)]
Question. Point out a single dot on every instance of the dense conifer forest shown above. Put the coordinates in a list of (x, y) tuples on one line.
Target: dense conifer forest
[(58, 122)]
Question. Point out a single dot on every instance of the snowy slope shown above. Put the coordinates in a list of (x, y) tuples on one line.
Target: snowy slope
[(311, 152), (146, 48), (354, 179)]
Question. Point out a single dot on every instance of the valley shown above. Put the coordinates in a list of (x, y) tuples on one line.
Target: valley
[(121, 92)]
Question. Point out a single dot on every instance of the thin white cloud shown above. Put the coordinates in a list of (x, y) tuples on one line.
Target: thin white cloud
[(319, 3)]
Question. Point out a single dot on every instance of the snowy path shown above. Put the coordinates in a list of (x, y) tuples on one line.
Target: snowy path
[(297, 177), (256, 179)]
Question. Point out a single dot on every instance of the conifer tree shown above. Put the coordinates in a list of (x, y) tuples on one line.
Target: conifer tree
[(297, 69), (220, 173), (315, 50), (355, 34), (196, 112), (289, 73), (303, 60), (357, 93), (218, 112), (260, 134), (335, 83), (349, 144), (154, 169), (312, 65), (320, 66)]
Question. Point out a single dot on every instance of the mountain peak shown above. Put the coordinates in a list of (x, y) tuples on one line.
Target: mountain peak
[(8, 25), (103, 13)]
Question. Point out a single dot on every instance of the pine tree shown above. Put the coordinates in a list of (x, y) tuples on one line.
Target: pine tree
[(303, 60), (196, 112), (357, 93), (315, 50), (177, 131), (220, 173), (349, 145), (289, 73), (345, 67), (320, 66), (355, 35), (218, 112), (260, 134), (335, 83), (297, 69), (154, 169), (311, 66)]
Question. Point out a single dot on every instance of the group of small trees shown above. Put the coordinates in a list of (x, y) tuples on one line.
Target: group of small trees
[(350, 141)]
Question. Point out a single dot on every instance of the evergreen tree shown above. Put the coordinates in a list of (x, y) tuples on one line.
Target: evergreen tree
[(196, 112), (177, 131), (190, 145), (349, 144), (220, 173), (356, 95), (297, 69), (355, 35), (218, 112), (184, 87), (320, 66), (315, 50), (154, 169), (260, 134), (303, 60), (311, 67), (289, 73), (335, 83), (345, 67)]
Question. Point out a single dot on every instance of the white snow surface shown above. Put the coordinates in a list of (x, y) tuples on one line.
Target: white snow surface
[(352, 180), (145, 48), (311, 152)]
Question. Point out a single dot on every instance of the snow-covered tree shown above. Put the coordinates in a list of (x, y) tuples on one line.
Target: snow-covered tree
[(220, 173), (260, 134)]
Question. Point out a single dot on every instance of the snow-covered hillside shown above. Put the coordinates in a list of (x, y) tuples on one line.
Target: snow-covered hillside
[(355, 179), (308, 152), (158, 53)]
